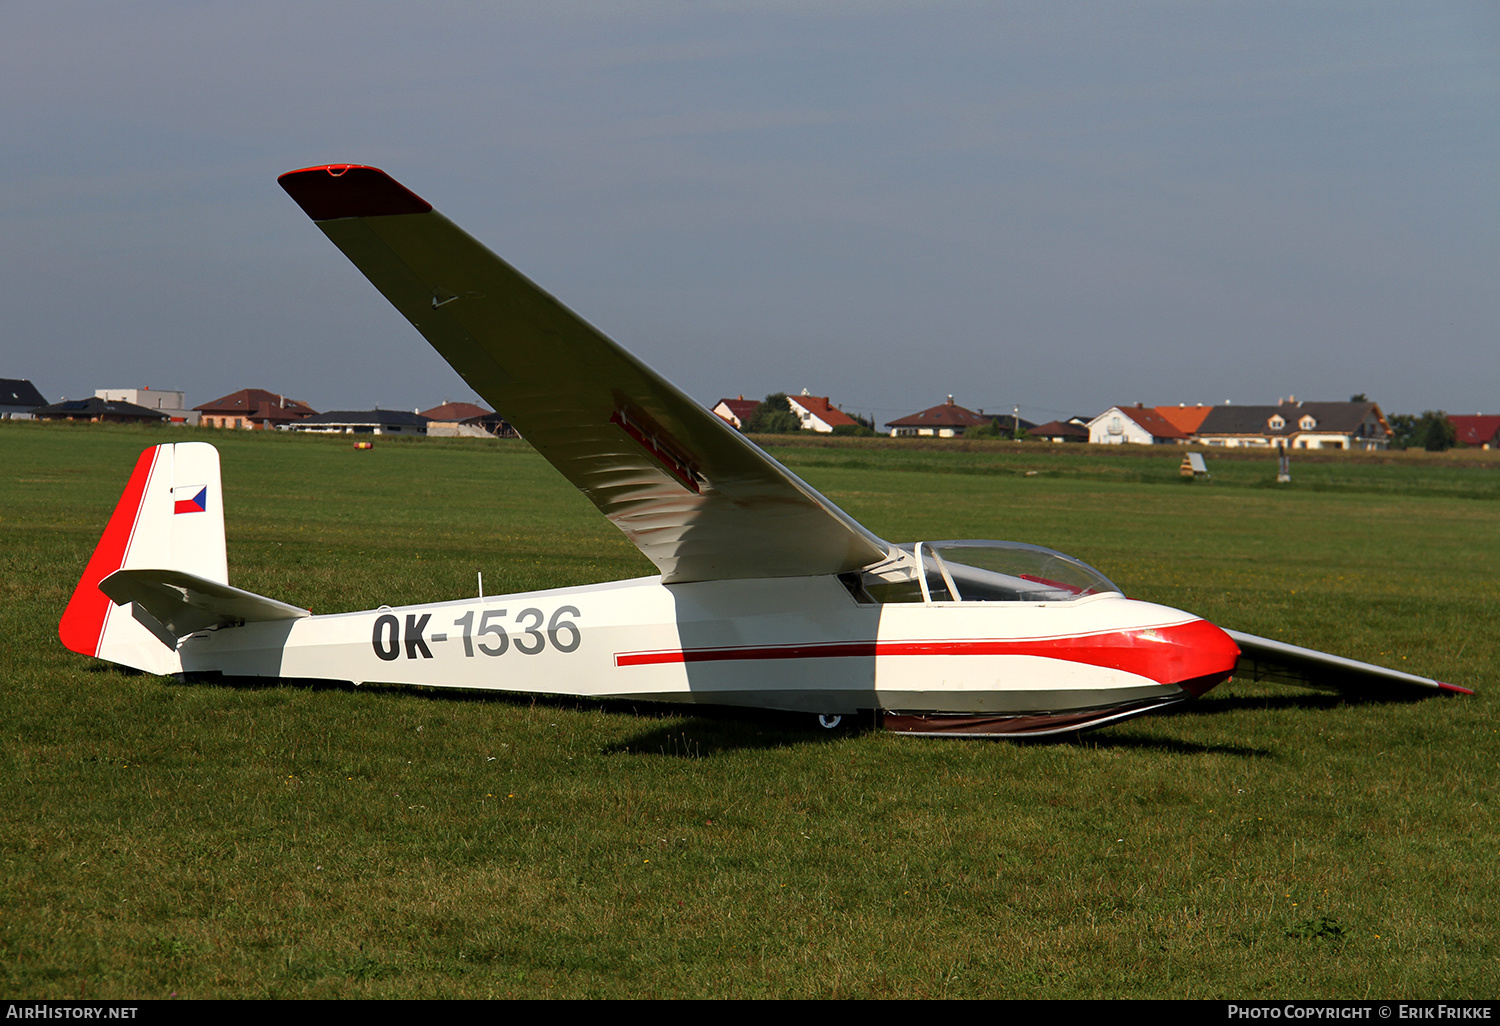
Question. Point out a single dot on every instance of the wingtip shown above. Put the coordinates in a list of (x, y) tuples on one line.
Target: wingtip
[(332, 191), (1453, 689)]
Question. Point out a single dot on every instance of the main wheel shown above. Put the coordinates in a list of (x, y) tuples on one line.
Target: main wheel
[(830, 722)]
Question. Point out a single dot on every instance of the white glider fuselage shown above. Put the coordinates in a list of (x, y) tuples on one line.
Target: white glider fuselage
[(800, 644)]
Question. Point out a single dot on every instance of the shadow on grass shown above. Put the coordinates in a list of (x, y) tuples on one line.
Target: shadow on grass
[(681, 731), (700, 731), (1124, 739)]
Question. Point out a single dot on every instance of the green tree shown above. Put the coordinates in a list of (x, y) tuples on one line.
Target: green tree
[(999, 427), (1435, 431), (773, 416), (1403, 430), (1432, 430)]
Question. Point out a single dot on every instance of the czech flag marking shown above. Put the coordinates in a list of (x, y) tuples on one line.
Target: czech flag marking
[(190, 499)]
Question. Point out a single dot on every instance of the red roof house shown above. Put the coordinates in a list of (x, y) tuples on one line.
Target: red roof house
[(947, 420), (736, 411), (455, 411), (1480, 430), (252, 409), (817, 414)]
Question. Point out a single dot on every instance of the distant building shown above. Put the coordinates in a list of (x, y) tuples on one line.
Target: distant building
[(173, 404), (816, 413), (1060, 431), (97, 411), (494, 425), (1297, 425), (736, 411), (456, 420), (947, 420), (363, 422), (1480, 431), (1186, 419), (253, 409), (1134, 425), (18, 397)]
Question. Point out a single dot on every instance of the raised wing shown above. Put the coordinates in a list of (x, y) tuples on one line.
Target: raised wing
[(699, 499), (1266, 659)]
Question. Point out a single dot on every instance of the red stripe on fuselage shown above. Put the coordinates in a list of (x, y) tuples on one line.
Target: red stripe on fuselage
[(82, 622), (1180, 652)]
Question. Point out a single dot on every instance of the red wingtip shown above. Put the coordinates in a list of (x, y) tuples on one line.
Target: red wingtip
[(1454, 688), (350, 190)]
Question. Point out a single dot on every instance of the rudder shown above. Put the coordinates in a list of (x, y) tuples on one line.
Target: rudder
[(170, 517)]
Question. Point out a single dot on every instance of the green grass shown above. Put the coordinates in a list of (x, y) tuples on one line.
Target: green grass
[(215, 841)]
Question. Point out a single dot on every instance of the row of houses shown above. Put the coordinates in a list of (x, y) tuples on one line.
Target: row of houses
[(1291, 423), (249, 409), (817, 413)]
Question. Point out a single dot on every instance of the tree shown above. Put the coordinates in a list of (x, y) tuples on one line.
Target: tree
[(1432, 430), (773, 416), (998, 427), (1435, 431), (1403, 430), (861, 428)]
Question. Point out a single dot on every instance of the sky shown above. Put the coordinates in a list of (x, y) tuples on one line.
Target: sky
[(1058, 206)]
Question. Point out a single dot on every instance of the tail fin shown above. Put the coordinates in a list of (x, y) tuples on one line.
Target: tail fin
[(171, 517)]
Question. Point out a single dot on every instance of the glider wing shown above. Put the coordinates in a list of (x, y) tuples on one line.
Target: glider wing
[(1265, 659), (699, 499)]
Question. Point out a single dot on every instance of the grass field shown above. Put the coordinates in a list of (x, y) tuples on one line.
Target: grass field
[(218, 841)]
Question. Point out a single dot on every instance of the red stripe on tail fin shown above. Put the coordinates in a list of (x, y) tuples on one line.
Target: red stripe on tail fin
[(83, 621)]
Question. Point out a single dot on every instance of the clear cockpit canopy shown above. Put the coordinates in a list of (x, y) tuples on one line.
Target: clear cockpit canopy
[(982, 571)]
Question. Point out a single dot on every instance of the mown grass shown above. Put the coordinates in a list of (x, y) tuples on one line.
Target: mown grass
[(210, 841)]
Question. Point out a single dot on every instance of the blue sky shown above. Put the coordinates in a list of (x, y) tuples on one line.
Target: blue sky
[(1054, 205)]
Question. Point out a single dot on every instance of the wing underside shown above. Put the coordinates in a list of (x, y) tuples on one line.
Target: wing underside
[(700, 500), (1276, 661)]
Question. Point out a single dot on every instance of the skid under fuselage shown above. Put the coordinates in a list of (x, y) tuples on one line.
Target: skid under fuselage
[(801, 644)]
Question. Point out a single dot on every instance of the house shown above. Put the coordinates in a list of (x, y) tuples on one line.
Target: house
[(1135, 425), (816, 413), (1075, 430), (736, 411), (99, 411), (947, 420), (172, 403), (253, 409), (363, 422), (1297, 425), (1480, 431), (18, 397), (452, 420), (1184, 418), (493, 425)]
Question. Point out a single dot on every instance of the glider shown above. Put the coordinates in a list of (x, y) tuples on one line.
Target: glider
[(769, 595)]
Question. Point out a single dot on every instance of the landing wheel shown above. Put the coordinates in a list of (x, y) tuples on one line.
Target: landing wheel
[(828, 722)]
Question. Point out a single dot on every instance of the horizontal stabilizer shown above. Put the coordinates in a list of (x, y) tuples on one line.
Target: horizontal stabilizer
[(1276, 661), (178, 603)]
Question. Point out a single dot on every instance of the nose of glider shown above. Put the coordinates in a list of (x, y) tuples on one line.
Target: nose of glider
[(1204, 657)]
